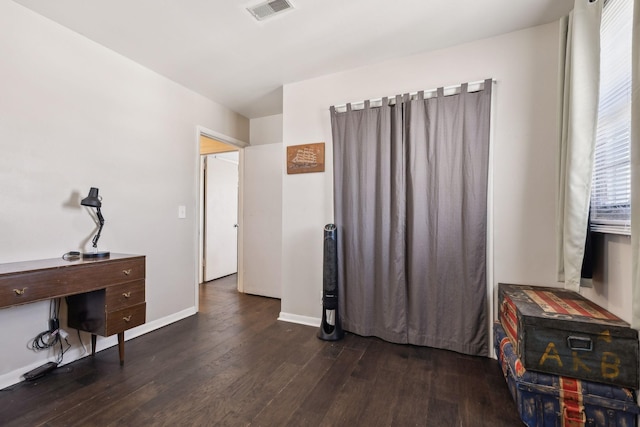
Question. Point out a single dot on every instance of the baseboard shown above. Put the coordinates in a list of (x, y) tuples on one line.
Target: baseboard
[(302, 320), (75, 353)]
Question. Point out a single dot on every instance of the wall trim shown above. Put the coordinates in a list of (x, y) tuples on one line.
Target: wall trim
[(201, 130), (15, 376), (302, 320)]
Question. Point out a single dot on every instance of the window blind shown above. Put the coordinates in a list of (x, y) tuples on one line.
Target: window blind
[(611, 182)]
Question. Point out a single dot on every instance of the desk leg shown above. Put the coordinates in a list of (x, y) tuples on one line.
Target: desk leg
[(93, 344), (121, 347)]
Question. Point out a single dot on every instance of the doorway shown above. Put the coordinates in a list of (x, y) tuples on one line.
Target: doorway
[(226, 154)]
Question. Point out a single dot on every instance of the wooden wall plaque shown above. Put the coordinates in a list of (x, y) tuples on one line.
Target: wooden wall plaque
[(305, 158)]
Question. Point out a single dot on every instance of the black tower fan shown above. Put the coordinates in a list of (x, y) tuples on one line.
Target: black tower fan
[(330, 329)]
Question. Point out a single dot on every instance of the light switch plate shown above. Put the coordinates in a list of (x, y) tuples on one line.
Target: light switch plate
[(182, 211)]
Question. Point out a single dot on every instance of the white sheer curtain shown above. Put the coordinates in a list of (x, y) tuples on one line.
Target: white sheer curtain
[(579, 118), (635, 167)]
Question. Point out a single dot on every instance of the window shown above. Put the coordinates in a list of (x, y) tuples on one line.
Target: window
[(611, 182)]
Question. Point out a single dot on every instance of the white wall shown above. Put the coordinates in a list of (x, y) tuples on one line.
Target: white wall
[(525, 65), (75, 115), (262, 248), (266, 130), (612, 274)]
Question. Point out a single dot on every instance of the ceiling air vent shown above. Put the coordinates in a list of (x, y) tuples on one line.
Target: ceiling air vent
[(269, 9)]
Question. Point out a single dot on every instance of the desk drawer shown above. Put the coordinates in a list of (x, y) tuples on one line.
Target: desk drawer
[(127, 318), (124, 295), (105, 274), (24, 288), (53, 283)]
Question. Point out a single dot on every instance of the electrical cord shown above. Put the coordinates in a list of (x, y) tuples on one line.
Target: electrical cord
[(54, 336), (63, 350), (44, 340), (84, 349)]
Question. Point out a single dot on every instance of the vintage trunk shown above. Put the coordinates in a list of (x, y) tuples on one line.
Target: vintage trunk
[(546, 400), (560, 332)]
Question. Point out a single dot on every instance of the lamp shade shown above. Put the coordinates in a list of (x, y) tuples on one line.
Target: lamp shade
[(92, 199)]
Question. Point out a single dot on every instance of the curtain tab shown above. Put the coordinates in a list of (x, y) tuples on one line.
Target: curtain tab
[(332, 110), (464, 87), (349, 107), (488, 86), (421, 95), (398, 99), (367, 104), (440, 92)]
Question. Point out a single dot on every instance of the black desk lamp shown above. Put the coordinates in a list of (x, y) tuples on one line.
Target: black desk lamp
[(94, 201)]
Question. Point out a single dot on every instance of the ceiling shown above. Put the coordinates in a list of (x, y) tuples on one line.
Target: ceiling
[(217, 48)]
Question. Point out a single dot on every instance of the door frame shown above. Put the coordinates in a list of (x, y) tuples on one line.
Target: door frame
[(201, 130)]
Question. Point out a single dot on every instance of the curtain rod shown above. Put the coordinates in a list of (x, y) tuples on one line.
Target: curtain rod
[(448, 90)]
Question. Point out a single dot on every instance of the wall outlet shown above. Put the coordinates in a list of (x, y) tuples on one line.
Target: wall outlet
[(182, 211)]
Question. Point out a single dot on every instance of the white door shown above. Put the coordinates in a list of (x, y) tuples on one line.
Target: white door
[(221, 216)]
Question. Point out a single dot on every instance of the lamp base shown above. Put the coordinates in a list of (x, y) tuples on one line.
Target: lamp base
[(95, 255)]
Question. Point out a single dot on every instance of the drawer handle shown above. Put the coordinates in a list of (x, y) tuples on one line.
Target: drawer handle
[(127, 294), (127, 319), (580, 343), (20, 291), (127, 272)]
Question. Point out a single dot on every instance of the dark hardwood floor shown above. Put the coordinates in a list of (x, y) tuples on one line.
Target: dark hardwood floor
[(234, 364)]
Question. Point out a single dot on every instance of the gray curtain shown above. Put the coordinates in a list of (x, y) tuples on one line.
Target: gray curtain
[(410, 189), (369, 203)]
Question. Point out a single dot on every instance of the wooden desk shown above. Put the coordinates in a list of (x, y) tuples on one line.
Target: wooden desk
[(104, 296)]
